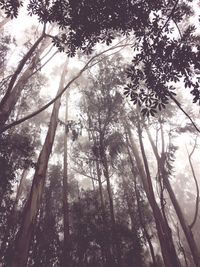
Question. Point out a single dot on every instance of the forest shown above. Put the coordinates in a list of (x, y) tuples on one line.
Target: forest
[(99, 133)]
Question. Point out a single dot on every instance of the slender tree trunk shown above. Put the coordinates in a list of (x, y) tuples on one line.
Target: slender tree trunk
[(12, 218), (100, 188), (25, 233), (3, 22), (135, 239), (167, 247), (20, 188), (137, 193), (16, 87), (21, 65), (106, 245), (186, 229), (66, 245), (115, 235), (146, 234)]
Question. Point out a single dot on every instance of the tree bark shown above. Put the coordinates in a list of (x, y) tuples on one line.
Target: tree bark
[(25, 233), (167, 247), (66, 245), (110, 197), (146, 234), (12, 219), (186, 229), (3, 22), (15, 88), (20, 188), (106, 246)]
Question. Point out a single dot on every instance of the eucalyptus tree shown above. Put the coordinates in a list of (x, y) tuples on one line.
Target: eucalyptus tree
[(163, 230), (16, 154), (66, 244), (102, 107), (165, 56), (165, 163), (20, 78), (138, 207), (127, 210), (100, 114), (88, 165), (25, 233), (46, 245)]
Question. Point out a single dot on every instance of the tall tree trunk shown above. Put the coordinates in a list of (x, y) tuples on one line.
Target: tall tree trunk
[(146, 234), (115, 235), (25, 233), (137, 193), (66, 245), (20, 188), (12, 218), (186, 229), (16, 87), (163, 230), (106, 246), (135, 239), (170, 255)]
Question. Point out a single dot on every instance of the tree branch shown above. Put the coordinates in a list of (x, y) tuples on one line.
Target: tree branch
[(22, 64), (186, 114), (87, 66), (196, 184)]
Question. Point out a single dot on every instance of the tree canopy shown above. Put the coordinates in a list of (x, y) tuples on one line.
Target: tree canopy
[(163, 54), (107, 176)]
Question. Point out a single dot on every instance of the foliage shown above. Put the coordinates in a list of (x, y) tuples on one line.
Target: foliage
[(159, 57), (162, 62), (89, 233), (11, 7), (16, 153), (89, 22), (46, 245), (166, 54)]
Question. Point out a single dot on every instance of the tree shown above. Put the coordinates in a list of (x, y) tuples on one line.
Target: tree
[(138, 188), (66, 244), (164, 233), (150, 23), (164, 170), (25, 232), (15, 87), (99, 122), (16, 154), (118, 213), (46, 245)]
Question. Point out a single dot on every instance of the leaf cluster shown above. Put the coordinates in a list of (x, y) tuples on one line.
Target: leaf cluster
[(89, 22), (158, 67), (10, 7)]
